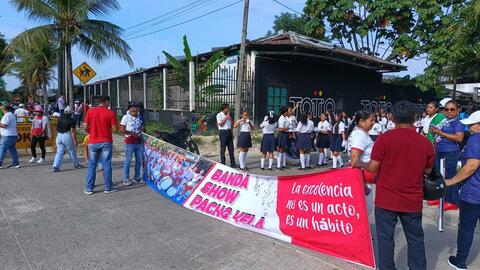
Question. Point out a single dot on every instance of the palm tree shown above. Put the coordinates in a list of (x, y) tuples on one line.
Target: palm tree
[(68, 24), (34, 67)]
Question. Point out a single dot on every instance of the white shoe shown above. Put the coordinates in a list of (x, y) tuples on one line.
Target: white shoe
[(32, 160), (127, 182), (41, 160)]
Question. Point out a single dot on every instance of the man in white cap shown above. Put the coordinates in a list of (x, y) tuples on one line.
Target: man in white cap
[(21, 113), (469, 174)]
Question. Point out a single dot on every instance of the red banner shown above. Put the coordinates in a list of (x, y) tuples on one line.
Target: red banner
[(326, 212)]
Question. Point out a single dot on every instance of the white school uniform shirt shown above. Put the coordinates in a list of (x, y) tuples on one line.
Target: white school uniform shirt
[(308, 128), (283, 122), (20, 112), (268, 128), (323, 126), (341, 128), (383, 122), (360, 140), (426, 123), (390, 125), (376, 129), (245, 126), (227, 125), (292, 123)]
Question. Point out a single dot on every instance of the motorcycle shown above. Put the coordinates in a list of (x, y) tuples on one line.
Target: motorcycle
[(181, 137)]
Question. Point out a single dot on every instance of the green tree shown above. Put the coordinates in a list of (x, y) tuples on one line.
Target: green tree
[(202, 72), (68, 23), (292, 22), (390, 29)]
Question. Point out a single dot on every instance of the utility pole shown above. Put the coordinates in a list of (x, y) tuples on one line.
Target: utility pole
[(241, 62)]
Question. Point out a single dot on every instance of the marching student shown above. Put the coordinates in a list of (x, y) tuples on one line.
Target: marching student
[(282, 137), (337, 141), (304, 140), (269, 144), (390, 123), (382, 119), (39, 133), (376, 129), (323, 142), (244, 139)]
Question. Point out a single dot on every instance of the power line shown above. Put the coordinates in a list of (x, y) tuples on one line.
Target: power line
[(187, 21), (287, 7), (164, 14)]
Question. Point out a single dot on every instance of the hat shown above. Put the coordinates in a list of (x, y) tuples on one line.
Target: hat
[(38, 108), (134, 104), (443, 102), (472, 119), (5, 103), (68, 110), (77, 101), (21, 105)]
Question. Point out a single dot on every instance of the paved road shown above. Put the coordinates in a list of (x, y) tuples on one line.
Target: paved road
[(46, 222)]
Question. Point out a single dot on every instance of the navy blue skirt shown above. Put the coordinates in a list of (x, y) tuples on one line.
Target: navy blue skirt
[(323, 141), (282, 140), (336, 142), (373, 137), (304, 141), (244, 140), (269, 143)]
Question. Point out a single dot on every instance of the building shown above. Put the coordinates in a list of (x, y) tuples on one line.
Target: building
[(281, 70)]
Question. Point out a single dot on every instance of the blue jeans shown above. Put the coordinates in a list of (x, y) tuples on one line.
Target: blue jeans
[(95, 152), (8, 143), (78, 120), (65, 141), (451, 160), (130, 150), (469, 217), (385, 222)]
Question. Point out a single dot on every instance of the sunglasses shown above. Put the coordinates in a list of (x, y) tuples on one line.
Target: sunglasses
[(449, 109)]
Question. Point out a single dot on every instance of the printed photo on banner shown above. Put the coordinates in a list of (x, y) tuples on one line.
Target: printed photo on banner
[(172, 171)]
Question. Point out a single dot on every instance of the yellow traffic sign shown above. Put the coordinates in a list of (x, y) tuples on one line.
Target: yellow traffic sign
[(84, 72)]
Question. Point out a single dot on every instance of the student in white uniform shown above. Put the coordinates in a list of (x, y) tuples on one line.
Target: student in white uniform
[(244, 141), (390, 123), (337, 141), (225, 134), (360, 148), (382, 119), (282, 137), (323, 142), (376, 129), (269, 143), (304, 140)]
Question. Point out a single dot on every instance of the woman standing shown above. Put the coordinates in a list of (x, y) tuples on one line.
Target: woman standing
[(304, 141), (433, 118), (66, 139), (39, 133), (269, 144), (469, 174), (244, 139), (447, 137), (337, 141), (324, 129), (282, 137), (360, 148)]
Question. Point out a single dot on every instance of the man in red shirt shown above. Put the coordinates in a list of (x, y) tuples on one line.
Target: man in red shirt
[(99, 124), (401, 157)]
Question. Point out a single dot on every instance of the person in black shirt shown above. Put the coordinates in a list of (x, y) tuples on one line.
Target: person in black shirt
[(66, 139)]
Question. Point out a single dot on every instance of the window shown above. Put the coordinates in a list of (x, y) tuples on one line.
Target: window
[(277, 98)]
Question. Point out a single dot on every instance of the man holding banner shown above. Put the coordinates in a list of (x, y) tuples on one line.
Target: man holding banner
[(401, 156)]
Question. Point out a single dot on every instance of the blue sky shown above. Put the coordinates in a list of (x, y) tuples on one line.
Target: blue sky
[(219, 29)]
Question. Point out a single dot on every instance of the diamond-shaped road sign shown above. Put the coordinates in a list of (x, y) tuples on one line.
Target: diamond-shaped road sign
[(84, 72)]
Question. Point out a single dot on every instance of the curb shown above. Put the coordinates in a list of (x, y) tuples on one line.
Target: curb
[(450, 218)]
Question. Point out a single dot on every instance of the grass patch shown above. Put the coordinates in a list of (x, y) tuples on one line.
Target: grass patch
[(214, 140), (154, 126), (199, 141)]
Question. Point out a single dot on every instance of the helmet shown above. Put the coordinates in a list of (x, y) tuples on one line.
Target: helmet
[(434, 186)]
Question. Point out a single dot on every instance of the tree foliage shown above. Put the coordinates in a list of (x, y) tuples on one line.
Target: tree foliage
[(292, 22), (69, 23), (390, 29)]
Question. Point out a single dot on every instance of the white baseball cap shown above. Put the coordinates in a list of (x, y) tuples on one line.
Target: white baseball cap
[(444, 101), (472, 119), (68, 110)]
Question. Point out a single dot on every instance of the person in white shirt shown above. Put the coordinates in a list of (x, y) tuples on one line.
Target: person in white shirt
[(431, 110), (8, 136), (21, 113), (382, 119), (78, 111), (360, 147), (304, 140), (225, 123), (282, 138), (376, 129), (337, 141), (244, 141), (324, 129), (390, 123), (269, 143)]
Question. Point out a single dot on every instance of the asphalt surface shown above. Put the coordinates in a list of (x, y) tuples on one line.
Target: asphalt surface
[(46, 222)]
